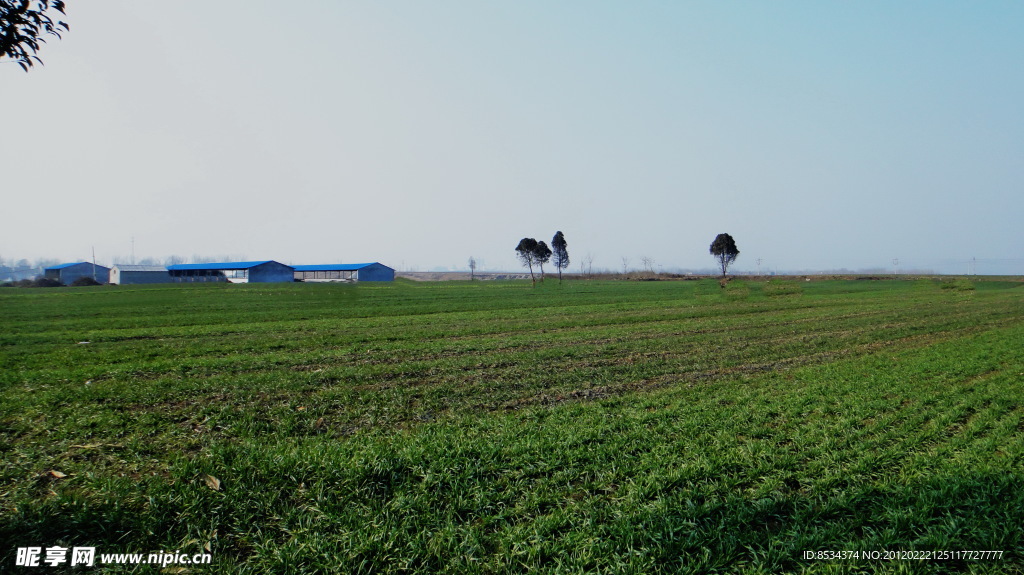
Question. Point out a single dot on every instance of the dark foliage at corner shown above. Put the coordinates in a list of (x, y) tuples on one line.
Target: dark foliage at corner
[(23, 24)]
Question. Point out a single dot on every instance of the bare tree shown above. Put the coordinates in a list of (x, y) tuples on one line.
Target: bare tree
[(625, 265), (472, 268), (587, 265), (648, 264)]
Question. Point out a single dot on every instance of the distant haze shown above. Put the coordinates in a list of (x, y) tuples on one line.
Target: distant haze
[(819, 135)]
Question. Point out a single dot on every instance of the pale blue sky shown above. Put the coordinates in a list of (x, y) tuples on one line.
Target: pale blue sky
[(821, 135)]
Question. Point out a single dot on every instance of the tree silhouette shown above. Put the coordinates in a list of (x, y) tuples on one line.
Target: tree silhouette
[(541, 254), (526, 252), (22, 28), (472, 267), (560, 253), (725, 251)]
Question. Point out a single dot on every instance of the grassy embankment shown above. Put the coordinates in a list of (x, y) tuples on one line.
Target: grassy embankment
[(595, 426)]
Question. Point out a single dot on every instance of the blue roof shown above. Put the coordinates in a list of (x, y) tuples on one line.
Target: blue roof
[(62, 266), (219, 266), (333, 267)]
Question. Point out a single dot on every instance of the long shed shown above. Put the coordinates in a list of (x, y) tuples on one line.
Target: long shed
[(137, 274), (265, 271), (371, 272), (68, 273)]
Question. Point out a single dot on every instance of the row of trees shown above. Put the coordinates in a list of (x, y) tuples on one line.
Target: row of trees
[(533, 253)]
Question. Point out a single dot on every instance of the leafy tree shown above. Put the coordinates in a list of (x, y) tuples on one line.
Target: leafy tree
[(526, 251), (560, 255), (542, 253), (725, 251), (22, 26)]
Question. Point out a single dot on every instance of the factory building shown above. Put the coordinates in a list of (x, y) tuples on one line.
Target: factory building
[(371, 272), (68, 273), (235, 272), (124, 274)]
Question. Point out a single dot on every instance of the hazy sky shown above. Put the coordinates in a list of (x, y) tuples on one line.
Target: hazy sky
[(818, 134)]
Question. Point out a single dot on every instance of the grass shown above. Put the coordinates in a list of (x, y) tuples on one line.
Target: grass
[(619, 427)]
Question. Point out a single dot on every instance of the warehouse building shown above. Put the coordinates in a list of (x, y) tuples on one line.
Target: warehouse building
[(124, 274), (235, 272), (68, 273), (372, 272)]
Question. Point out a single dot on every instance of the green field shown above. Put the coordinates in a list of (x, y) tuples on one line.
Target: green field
[(587, 427)]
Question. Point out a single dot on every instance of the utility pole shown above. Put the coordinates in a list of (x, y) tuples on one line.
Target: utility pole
[(758, 266)]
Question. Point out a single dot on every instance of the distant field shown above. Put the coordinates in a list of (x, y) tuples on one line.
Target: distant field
[(492, 427)]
